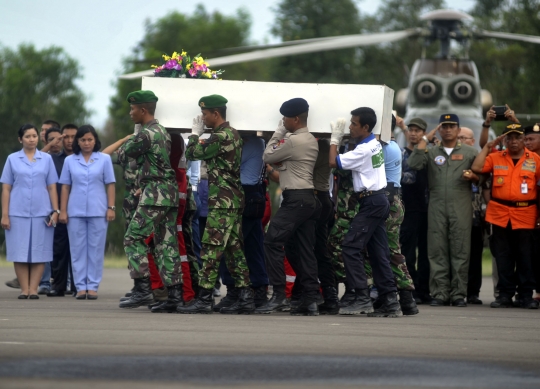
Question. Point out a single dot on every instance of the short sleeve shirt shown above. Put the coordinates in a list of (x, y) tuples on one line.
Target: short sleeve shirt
[(29, 180), (88, 197), (252, 162), (366, 162), (392, 162)]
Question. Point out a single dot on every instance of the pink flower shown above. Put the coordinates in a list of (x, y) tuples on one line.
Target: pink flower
[(192, 72)]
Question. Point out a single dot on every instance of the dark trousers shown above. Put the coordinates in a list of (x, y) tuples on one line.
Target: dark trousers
[(368, 230), (413, 235), (475, 263), (254, 252), (293, 227), (324, 262), (513, 254), (536, 259), (60, 265)]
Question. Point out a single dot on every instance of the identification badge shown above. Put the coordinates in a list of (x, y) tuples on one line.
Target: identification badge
[(439, 160), (457, 157), (524, 188)]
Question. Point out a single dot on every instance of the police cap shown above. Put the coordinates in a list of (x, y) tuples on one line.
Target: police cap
[(212, 101), (141, 97), (534, 129), (294, 107), (450, 118), (514, 127)]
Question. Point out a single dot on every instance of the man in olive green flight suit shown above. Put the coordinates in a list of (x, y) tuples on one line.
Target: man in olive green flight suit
[(450, 211)]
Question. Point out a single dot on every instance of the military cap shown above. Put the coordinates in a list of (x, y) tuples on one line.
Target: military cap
[(450, 118), (212, 101), (418, 122), (141, 97), (534, 129), (294, 107), (514, 127)]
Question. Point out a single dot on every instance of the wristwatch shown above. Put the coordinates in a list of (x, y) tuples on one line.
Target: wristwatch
[(112, 208), (57, 211), (425, 139)]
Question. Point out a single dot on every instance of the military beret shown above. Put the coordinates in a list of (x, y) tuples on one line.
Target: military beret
[(418, 122), (535, 129), (141, 97), (450, 118), (294, 107), (212, 101), (513, 128)]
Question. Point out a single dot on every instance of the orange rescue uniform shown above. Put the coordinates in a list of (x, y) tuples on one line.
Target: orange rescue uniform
[(509, 200)]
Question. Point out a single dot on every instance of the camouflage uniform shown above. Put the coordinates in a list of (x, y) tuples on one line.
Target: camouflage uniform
[(347, 208), (158, 206), (222, 235)]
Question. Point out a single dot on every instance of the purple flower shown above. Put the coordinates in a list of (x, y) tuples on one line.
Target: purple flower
[(178, 67), (170, 64)]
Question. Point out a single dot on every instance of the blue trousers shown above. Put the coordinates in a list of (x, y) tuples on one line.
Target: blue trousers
[(253, 249), (87, 237)]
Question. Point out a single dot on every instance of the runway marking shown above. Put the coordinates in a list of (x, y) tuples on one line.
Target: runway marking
[(11, 342), (335, 324)]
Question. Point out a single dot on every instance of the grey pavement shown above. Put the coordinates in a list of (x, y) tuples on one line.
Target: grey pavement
[(62, 342)]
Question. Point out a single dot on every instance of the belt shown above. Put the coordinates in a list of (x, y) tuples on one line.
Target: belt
[(321, 192), (367, 193), (515, 204), (253, 188)]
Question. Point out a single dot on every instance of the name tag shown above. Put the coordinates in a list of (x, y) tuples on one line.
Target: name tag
[(456, 157)]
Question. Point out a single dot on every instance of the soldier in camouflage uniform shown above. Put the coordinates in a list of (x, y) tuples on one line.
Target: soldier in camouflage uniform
[(157, 208), (222, 235)]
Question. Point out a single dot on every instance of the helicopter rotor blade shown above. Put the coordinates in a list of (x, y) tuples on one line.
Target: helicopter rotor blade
[(322, 44), (507, 35)]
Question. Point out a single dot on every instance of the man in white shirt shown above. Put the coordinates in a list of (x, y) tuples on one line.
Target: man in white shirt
[(367, 230)]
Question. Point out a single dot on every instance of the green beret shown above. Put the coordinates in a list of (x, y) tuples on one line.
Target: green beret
[(212, 101), (141, 97)]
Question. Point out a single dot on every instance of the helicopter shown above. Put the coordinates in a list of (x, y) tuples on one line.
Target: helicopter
[(439, 85)]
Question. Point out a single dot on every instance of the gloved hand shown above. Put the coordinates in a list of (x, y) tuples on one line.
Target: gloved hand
[(338, 130), (280, 130), (136, 129), (198, 126)]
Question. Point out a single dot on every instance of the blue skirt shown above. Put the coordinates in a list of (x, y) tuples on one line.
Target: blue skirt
[(29, 240)]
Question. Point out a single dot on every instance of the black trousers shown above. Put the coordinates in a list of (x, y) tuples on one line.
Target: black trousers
[(60, 265), (513, 253), (475, 262), (413, 235), (368, 231), (293, 227), (536, 259)]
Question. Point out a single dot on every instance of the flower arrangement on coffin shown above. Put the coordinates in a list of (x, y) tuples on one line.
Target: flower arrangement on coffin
[(183, 66)]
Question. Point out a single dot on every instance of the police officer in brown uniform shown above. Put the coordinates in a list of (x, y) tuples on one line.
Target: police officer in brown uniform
[(292, 151)]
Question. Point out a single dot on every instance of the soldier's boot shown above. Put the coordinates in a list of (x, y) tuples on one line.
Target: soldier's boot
[(174, 300), (128, 294), (389, 308), (359, 305), (407, 303), (142, 294), (244, 304), (260, 296), (331, 302), (160, 295), (229, 299), (202, 304), (347, 298), (307, 307), (277, 303)]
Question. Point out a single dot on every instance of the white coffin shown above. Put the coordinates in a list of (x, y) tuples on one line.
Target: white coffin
[(254, 106)]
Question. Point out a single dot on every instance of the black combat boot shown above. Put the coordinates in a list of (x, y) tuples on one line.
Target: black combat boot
[(128, 294), (331, 302), (307, 307), (407, 303), (174, 299), (245, 303), (229, 299), (277, 303), (260, 296), (347, 298), (160, 295), (142, 294), (202, 304), (389, 308), (359, 305)]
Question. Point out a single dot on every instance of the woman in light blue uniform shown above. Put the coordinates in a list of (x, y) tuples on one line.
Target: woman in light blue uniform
[(29, 198), (87, 207)]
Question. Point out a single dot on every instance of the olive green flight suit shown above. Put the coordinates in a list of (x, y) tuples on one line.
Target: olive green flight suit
[(449, 218)]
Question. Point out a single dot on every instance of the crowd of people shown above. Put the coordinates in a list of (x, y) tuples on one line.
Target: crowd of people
[(398, 227)]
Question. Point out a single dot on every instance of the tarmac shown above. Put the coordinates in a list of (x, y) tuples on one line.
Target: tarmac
[(65, 343)]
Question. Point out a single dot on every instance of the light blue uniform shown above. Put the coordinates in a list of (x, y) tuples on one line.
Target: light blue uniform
[(87, 210), (29, 239), (392, 162), (252, 163)]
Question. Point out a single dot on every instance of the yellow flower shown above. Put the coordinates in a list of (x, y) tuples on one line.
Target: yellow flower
[(183, 53), (154, 66), (166, 57), (188, 66), (199, 60), (175, 55)]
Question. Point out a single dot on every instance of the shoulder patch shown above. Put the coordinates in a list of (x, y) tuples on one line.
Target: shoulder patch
[(439, 160)]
